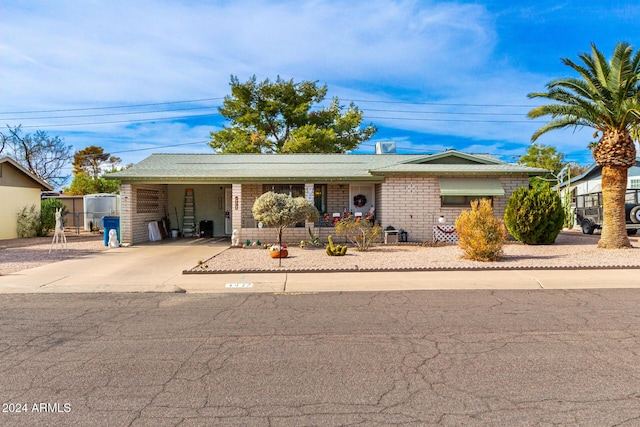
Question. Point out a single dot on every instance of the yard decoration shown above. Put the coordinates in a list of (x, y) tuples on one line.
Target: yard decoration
[(335, 250), (278, 251), (481, 235), (534, 216), (58, 234), (281, 211)]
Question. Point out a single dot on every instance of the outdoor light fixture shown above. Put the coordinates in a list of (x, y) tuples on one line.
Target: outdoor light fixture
[(236, 202), (442, 219)]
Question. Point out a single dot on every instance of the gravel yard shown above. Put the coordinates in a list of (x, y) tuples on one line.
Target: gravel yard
[(571, 250), (21, 254)]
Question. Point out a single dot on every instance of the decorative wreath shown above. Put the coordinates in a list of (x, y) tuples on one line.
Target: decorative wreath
[(360, 200)]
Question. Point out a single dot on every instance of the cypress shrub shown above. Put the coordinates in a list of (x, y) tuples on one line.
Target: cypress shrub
[(534, 216)]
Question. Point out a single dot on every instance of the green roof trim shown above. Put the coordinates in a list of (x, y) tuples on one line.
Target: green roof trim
[(470, 187)]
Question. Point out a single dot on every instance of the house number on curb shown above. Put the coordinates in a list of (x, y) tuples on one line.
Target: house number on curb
[(239, 285)]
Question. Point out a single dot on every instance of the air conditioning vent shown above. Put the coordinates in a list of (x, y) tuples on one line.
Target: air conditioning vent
[(388, 147)]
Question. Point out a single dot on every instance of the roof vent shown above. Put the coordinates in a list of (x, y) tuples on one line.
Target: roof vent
[(388, 147)]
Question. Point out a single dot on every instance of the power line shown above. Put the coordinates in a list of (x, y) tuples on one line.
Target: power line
[(110, 107), (158, 119), (450, 120), (441, 103), (109, 114), (222, 97)]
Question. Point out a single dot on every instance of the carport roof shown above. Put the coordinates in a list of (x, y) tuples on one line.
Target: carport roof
[(263, 168)]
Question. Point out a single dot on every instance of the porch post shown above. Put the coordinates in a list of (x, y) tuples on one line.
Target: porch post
[(126, 214), (309, 195), (236, 207)]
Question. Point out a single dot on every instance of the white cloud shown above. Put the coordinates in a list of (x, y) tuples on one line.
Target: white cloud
[(66, 54)]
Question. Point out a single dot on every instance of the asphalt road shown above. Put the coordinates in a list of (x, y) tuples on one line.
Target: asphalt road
[(445, 358)]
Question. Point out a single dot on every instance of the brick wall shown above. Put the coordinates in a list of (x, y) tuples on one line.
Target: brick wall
[(413, 203), (134, 226)]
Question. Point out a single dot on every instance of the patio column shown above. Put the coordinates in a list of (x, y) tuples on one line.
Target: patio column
[(126, 214), (309, 195), (236, 207)]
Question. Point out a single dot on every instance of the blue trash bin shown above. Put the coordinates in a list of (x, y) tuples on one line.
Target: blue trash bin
[(110, 223)]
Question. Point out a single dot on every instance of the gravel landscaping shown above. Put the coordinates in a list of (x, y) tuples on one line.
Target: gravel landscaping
[(21, 254), (571, 250)]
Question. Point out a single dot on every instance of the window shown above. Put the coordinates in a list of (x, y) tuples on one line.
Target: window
[(320, 197), (462, 201), (293, 190)]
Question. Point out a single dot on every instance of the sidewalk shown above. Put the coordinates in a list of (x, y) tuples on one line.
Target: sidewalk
[(159, 267)]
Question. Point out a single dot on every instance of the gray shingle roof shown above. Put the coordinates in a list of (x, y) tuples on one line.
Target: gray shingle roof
[(299, 167)]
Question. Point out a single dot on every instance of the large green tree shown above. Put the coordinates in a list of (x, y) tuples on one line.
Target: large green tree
[(543, 156), (606, 97), (94, 161), (285, 117), (89, 166)]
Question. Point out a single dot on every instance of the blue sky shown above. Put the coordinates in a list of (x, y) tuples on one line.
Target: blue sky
[(431, 75)]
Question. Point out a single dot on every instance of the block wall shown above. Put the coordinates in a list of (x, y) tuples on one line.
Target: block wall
[(413, 203), (134, 226)]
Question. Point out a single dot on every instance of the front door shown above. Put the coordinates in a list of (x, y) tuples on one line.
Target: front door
[(228, 225), (362, 198)]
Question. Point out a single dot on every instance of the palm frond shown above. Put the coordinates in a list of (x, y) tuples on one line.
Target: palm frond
[(606, 96)]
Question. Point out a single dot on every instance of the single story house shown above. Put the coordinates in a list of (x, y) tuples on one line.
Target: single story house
[(19, 188), (214, 193)]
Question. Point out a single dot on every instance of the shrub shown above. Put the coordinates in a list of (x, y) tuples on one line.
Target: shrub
[(48, 215), (361, 233), (534, 216), (481, 235), (282, 211), (28, 222)]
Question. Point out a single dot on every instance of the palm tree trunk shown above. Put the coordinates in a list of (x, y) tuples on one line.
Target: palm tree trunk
[(614, 187)]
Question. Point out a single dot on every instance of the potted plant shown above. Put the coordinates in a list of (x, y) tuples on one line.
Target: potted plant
[(278, 251)]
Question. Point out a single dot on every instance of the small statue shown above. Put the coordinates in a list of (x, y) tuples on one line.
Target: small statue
[(235, 238), (58, 233), (113, 239)]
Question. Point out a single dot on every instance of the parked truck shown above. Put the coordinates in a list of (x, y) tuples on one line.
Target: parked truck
[(588, 209)]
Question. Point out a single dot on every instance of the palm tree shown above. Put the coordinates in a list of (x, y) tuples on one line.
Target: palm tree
[(606, 98)]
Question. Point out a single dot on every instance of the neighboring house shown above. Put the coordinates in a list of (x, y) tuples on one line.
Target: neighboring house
[(590, 181), (19, 188), (408, 192), (586, 202)]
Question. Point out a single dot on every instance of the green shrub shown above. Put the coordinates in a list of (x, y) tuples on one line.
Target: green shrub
[(361, 233), (28, 222), (48, 215), (481, 235), (534, 216)]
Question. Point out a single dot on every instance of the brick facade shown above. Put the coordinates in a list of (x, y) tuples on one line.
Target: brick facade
[(411, 203), (134, 225)]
